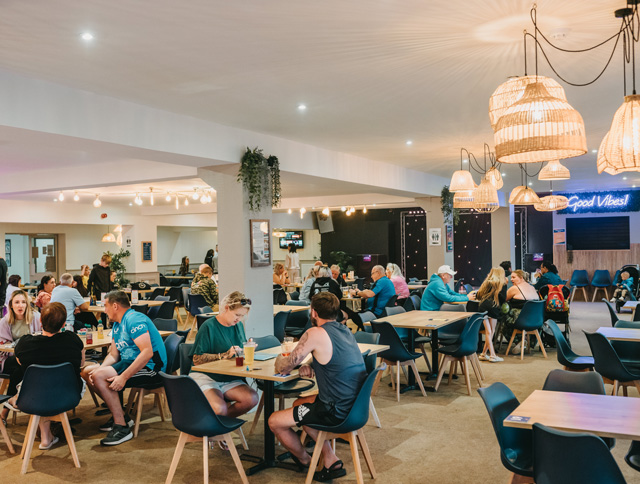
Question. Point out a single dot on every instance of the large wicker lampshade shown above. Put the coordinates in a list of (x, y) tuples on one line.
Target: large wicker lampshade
[(620, 148), (461, 180), (495, 178), (463, 199), (485, 197), (554, 171), (514, 193), (512, 90), (526, 196), (539, 127), (551, 203)]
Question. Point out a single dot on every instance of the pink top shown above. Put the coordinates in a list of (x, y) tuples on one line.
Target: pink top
[(7, 337), (402, 289)]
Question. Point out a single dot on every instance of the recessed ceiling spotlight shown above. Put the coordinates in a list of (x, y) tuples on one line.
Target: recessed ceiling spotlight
[(409, 142), (130, 204), (465, 160), (633, 186), (302, 107), (86, 36), (624, 178), (504, 174), (594, 151), (530, 183), (55, 199)]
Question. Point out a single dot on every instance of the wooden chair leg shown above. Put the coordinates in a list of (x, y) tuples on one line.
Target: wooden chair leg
[(441, 373), (465, 367), (616, 388), (365, 451), (316, 456), (398, 380), (178, 317), (5, 435), (139, 406), (355, 455), (624, 391), (176, 457), (475, 366), (205, 459), (374, 414), (573, 293), (584, 292), (522, 344), (413, 366), (544, 352), (376, 384), (27, 446), (259, 411), (243, 441), (513, 335), (595, 292), (133, 393), (236, 458), (68, 434)]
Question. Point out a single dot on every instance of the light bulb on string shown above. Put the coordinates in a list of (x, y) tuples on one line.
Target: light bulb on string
[(289, 211), (61, 197), (177, 202), (364, 209), (186, 202), (76, 197), (97, 202), (326, 211), (168, 197), (195, 195), (151, 196)]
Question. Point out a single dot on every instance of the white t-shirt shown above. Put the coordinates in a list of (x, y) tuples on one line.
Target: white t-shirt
[(292, 261)]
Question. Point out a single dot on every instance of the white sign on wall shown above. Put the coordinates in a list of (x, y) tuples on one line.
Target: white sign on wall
[(435, 236), (128, 242)]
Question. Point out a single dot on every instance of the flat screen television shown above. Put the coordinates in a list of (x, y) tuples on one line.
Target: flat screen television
[(598, 233), (292, 236)]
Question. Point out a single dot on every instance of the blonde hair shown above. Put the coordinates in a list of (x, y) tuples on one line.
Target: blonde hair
[(492, 285), (235, 300), (277, 267), (106, 258), (394, 269), (521, 274), (28, 313), (313, 272)]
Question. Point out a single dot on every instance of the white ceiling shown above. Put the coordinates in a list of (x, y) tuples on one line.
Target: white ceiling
[(373, 73)]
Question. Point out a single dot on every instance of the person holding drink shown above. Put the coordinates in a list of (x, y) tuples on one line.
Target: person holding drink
[(221, 338)]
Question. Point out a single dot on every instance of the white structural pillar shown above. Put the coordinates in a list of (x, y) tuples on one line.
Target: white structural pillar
[(234, 262), (134, 237)]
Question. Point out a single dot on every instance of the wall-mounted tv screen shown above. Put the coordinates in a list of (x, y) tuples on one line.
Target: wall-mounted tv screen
[(292, 236), (598, 233)]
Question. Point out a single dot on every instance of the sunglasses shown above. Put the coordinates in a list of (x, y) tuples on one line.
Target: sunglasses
[(245, 301)]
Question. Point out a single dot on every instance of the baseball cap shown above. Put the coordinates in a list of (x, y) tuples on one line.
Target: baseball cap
[(446, 270)]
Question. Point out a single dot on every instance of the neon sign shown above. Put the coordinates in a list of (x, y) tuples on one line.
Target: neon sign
[(608, 202)]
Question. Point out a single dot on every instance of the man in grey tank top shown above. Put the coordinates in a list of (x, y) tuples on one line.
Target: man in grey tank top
[(339, 370)]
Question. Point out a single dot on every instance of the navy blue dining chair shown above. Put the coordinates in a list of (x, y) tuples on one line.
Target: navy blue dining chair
[(633, 455), (166, 324), (164, 311), (197, 422), (186, 362), (370, 361), (516, 449), (397, 355), (350, 430), (463, 352), (529, 321), (601, 280), (579, 279), (279, 324), (565, 354), (48, 391), (612, 312), (608, 364), (196, 301), (296, 322), (585, 458)]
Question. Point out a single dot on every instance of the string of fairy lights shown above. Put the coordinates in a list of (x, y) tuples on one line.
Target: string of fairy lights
[(149, 197)]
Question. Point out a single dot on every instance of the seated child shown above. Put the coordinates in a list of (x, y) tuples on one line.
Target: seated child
[(623, 288)]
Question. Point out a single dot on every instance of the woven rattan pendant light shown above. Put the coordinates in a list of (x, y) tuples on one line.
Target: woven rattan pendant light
[(461, 180), (495, 178), (514, 193), (512, 90), (485, 197), (526, 196), (620, 148), (551, 203), (539, 127), (463, 199), (554, 170)]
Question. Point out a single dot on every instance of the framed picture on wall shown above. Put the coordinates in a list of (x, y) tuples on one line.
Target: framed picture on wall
[(260, 235), (147, 253)]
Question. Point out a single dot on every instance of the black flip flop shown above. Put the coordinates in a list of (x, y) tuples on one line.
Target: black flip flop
[(336, 470)]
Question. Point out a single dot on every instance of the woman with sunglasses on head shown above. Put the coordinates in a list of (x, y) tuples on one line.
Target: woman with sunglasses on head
[(219, 338)]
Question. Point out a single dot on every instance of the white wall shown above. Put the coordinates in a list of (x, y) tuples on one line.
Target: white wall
[(176, 242), (311, 247), (19, 256)]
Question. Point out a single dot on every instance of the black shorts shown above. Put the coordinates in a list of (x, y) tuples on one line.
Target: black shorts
[(315, 413), (145, 377)]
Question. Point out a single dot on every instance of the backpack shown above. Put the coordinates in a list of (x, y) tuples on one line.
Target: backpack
[(556, 302)]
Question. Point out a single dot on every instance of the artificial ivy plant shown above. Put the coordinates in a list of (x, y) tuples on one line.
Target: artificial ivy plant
[(260, 177), (446, 202), (117, 265)]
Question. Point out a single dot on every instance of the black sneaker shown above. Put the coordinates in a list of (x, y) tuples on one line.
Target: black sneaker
[(117, 435), (108, 425)]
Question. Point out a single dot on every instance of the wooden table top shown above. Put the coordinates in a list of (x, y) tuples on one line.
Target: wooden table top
[(620, 334), (631, 304), (603, 415), (425, 319), (276, 309), (28, 286), (188, 276), (97, 343), (416, 286), (100, 309), (265, 370)]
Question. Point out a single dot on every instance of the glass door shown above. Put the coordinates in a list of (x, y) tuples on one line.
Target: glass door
[(44, 256)]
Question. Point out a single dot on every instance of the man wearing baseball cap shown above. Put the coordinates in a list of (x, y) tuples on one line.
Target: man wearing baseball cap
[(438, 291)]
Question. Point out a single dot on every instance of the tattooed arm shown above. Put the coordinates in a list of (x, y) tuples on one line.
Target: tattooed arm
[(207, 357), (284, 364)]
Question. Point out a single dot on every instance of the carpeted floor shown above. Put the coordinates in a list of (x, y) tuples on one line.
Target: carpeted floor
[(444, 438)]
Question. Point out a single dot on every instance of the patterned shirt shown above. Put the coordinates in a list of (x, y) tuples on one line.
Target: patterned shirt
[(206, 287)]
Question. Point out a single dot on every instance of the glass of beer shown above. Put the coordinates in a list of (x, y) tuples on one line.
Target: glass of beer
[(287, 346), (249, 351)]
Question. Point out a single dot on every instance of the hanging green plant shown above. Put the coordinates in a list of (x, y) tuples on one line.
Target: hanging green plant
[(446, 203), (260, 177)]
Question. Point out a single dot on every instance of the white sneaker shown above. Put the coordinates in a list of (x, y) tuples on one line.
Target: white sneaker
[(483, 357), (495, 359)]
